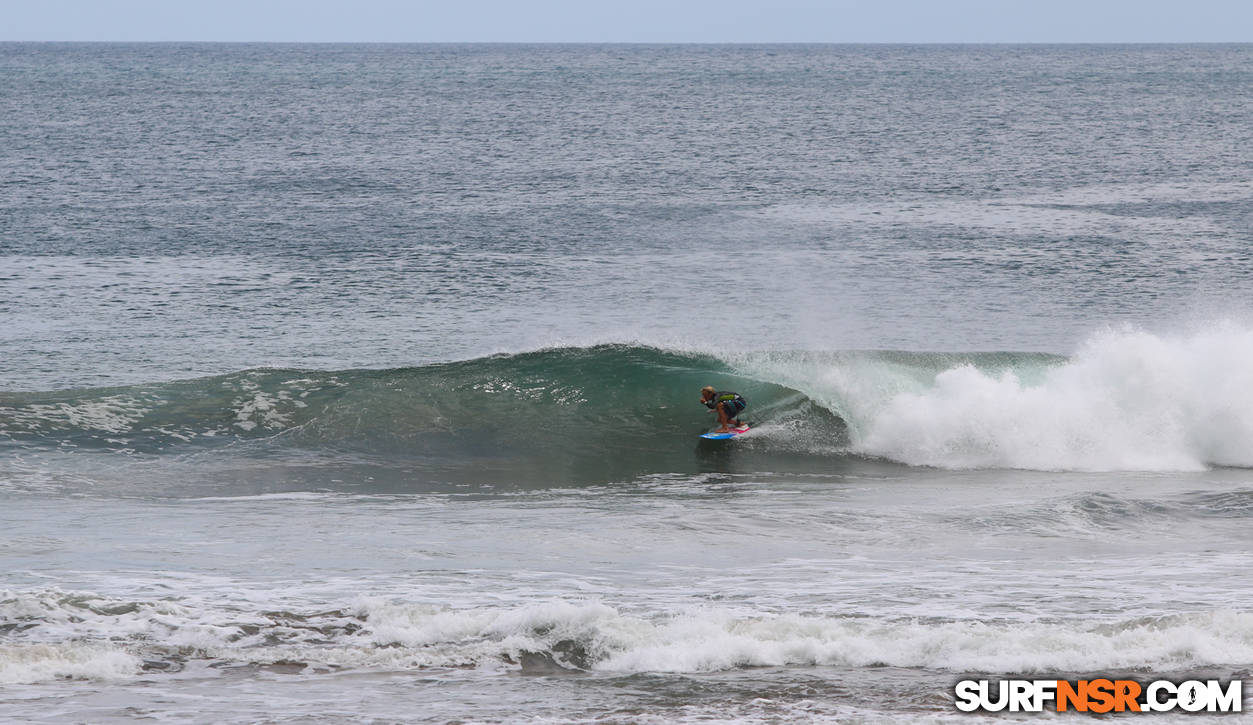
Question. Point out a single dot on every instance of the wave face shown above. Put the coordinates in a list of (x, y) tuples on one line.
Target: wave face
[(595, 413), (1127, 400)]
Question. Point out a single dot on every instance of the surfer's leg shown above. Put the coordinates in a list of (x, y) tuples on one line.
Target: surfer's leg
[(724, 418)]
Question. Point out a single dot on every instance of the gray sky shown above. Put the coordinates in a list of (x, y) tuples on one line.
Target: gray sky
[(637, 21)]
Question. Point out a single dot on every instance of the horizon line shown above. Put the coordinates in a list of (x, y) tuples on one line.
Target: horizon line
[(640, 42)]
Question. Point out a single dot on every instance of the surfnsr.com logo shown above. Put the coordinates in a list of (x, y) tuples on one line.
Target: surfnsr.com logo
[(1098, 695)]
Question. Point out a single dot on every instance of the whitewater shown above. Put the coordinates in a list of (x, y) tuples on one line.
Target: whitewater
[(360, 383)]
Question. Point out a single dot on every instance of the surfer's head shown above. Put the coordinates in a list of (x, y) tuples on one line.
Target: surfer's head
[(707, 392)]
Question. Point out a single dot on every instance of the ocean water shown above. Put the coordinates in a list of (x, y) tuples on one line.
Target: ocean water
[(359, 383)]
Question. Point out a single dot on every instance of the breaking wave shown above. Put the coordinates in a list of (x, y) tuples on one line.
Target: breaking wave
[(1126, 400), (102, 638)]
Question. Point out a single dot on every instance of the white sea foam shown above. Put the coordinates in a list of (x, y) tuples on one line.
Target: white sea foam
[(24, 663), (258, 408), (83, 636), (717, 641), (110, 414), (1127, 400), (714, 639), (711, 639)]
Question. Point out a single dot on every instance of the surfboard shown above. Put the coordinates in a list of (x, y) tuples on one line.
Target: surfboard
[(723, 436)]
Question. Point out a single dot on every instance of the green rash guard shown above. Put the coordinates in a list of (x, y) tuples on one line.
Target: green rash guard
[(735, 402)]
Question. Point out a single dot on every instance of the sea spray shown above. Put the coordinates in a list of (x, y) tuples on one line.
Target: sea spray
[(1127, 400)]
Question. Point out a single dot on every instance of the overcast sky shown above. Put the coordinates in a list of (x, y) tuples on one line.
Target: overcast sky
[(632, 21)]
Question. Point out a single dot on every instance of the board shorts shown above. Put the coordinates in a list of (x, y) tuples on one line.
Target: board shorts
[(733, 407)]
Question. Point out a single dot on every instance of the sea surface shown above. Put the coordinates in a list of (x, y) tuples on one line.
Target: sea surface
[(359, 384)]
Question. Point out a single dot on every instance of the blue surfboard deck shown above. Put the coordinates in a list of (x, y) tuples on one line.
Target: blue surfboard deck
[(723, 436)]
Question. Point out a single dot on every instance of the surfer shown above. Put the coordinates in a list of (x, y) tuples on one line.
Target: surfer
[(727, 405)]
